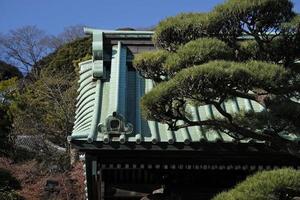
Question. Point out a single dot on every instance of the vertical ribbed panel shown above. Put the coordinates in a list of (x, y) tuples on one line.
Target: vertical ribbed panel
[(122, 94), (97, 112), (138, 120), (170, 135), (118, 81), (209, 111), (152, 125), (195, 131), (235, 105), (131, 99), (85, 101), (248, 105), (185, 135), (105, 101)]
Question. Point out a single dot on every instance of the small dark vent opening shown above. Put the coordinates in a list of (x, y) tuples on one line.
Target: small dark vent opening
[(114, 124)]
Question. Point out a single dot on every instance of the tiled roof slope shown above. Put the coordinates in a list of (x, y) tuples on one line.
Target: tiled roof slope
[(120, 92)]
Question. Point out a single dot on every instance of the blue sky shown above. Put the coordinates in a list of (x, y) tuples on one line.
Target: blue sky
[(53, 15)]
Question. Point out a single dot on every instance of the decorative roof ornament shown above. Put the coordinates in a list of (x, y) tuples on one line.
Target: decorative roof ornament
[(107, 102), (115, 125), (99, 71), (95, 81)]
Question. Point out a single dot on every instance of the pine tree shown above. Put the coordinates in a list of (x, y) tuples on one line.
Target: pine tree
[(242, 48)]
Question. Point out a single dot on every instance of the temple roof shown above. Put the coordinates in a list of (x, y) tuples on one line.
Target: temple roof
[(108, 109)]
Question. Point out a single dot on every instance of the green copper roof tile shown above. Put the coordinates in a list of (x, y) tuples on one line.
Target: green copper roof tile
[(97, 112), (118, 79), (85, 102), (105, 101), (147, 131), (120, 92)]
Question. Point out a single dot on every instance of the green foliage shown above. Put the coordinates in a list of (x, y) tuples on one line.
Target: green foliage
[(208, 82), (8, 94), (10, 195), (151, 64), (8, 90), (242, 48), (227, 21), (286, 110), (62, 60), (181, 29), (157, 104), (253, 16), (273, 51), (277, 50), (159, 65), (267, 12), (264, 185), (198, 52), (8, 71), (47, 104), (292, 26), (258, 120), (5, 127), (248, 50), (289, 43), (8, 185)]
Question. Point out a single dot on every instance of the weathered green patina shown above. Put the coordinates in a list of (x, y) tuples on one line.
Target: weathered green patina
[(108, 108), (121, 149)]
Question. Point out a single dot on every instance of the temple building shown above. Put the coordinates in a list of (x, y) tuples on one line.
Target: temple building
[(127, 157)]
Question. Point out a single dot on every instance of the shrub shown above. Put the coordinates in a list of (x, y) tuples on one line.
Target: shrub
[(8, 184), (265, 185), (10, 195)]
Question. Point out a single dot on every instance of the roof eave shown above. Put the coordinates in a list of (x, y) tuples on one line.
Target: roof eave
[(120, 33)]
